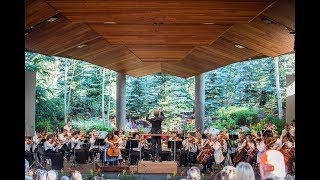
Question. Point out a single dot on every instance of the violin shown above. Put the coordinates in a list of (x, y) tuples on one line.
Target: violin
[(192, 139), (29, 141)]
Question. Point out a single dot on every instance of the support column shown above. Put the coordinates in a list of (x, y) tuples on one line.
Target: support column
[(276, 63), (199, 101), (121, 101)]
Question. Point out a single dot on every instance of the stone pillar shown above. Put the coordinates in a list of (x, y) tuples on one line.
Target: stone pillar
[(199, 102), (121, 101), (30, 103)]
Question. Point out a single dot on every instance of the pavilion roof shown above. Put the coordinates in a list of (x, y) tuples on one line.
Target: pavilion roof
[(178, 37)]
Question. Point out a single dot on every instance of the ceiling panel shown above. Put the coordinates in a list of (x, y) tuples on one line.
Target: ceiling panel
[(167, 11), (37, 11), (53, 38)]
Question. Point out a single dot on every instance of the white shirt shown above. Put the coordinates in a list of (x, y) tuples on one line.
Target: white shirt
[(67, 127), (261, 147), (27, 147), (78, 144), (92, 140), (277, 145), (292, 131), (48, 146), (218, 157), (187, 146), (283, 133), (225, 146)]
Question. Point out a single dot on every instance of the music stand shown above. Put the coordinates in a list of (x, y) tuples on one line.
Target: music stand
[(233, 136), (267, 133), (133, 143), (178, 145), (99, 143)]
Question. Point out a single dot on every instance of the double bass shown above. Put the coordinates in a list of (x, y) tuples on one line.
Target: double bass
[(206, 152)]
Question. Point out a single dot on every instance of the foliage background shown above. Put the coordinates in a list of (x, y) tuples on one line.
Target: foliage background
[(238, 94)]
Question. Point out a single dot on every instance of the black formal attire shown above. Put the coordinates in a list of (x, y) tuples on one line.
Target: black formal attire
[(156, 129)]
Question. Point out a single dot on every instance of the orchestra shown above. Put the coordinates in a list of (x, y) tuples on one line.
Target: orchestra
[(114, 147)]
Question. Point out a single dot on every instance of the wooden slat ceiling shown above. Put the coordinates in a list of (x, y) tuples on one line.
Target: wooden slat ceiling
[(179, 37)]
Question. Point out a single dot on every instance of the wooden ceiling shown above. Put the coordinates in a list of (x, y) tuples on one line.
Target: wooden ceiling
[(179, 37)]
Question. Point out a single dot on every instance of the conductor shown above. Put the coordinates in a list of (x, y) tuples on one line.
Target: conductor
[(156, 129)]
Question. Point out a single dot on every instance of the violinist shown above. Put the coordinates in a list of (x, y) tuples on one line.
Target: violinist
[(223, 143), (81, 151), (260, 146), (28, 150), (189, 149), (51, 150), (225, 133), (217, 156), (277, 144), (199, 141), (63, 138), (67, 127), (93, 148)]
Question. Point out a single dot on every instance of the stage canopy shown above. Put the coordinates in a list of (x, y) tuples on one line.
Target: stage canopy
[(179, 37)]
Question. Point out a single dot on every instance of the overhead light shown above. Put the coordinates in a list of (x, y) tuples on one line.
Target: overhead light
[(52, 19), (239, 46), (267, 21), (109, 22), (81, 46), (207, 23), (158, 23)]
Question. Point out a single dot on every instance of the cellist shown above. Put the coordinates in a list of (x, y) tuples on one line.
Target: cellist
[(112, 141), (217, 156), (287, 150)]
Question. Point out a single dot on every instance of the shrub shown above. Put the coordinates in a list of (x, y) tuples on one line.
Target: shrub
[(41, 125), (242, 115), (246, 116), (92, 123)]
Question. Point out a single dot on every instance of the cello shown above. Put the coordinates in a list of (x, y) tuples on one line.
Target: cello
[(206, 152), (241, 156), (113, 150)]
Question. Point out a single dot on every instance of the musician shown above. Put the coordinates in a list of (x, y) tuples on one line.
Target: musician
[(199, 140), (80, 152), (51, 147), (277, 145), (217, 156), (67, 126), (156, 129), (240, 133), (112, 141), (223, 143), (189, 150), (28, 150), (260, 146), (225, 133), (250, 147), (287, 146), (93, 147), (63, 137), (241, 141)]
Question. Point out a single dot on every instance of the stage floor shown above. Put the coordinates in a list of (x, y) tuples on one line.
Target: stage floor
[(181, 172)]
